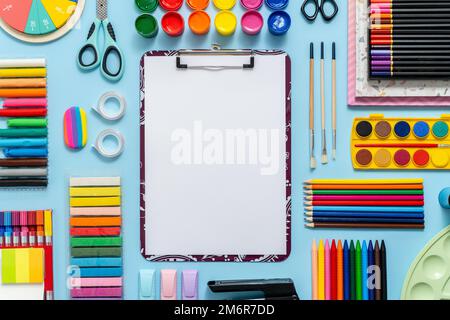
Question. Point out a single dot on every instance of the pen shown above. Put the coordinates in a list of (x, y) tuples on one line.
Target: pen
[(2, 229), (48, 227), (32, 224), (8, 229), (16, 228), (24, 228)]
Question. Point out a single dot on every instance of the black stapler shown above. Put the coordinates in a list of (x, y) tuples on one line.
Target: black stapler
[(272, 289)]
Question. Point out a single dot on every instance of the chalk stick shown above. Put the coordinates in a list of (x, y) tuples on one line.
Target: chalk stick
[(94, 191), (94, 232), (36, 172), (94, 201), (23, 83), (96, 262), (96, 252), (23, 73), (23, 63), (96, 282), (95, 222), (96, 292), (94, 181), (22, 133), (96, 242), (95, 211)]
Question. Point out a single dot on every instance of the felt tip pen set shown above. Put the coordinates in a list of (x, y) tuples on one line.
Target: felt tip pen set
[(349, 270), (409, 39), (26, 255), (95, 238), (24, 140), (379, 143)]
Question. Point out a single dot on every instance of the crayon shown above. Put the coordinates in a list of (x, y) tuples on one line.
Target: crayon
[(358, 273), (313, 270), (346, 279), (333, 272), (383, 271), (364, 263), (327, 271), (321, 272), (377, 260), (340, 272), (352, 271)]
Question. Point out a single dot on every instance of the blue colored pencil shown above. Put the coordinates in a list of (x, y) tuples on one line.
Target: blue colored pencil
[(364, 220), (370, 263), (365, 214), (366, 209), (365, 290), (346, 271), (23, 143)]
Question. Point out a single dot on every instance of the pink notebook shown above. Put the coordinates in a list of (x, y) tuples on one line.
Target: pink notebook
[(353, 100)]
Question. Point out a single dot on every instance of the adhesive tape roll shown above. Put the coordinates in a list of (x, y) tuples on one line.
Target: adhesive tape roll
[(99, 143), (101, 108)]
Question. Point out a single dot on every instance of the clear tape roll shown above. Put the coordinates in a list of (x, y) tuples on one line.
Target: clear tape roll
[(99, 143), (101, 106)]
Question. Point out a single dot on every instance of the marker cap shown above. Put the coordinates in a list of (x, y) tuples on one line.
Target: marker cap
[(171, 5), (199, 22), (224, 4), (225, 22), (172, 23), (251, 4), (198, 4), (252, 22), (279, 22), (146, 25), (147, 5)]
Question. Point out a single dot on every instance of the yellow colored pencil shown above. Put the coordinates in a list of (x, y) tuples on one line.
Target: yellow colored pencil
[(321, 272), (23, 73), (363, 181)]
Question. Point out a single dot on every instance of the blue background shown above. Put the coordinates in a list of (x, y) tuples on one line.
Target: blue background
[(69, 87)]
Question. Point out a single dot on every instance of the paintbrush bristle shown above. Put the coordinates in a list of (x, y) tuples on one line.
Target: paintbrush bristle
[(313, 163), (324, 158), (334, 154)]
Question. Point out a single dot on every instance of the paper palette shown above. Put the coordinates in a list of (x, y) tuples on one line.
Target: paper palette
[(429, 276), (379, 143)]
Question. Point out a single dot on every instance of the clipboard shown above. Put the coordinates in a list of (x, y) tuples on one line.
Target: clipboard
[(231, 201)]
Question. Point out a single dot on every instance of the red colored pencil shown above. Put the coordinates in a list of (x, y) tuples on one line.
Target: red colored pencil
[(366, 203), (365, 197), (333, 257), (23, 112)]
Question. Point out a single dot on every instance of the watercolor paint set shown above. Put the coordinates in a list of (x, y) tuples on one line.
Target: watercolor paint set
[(379, 143)]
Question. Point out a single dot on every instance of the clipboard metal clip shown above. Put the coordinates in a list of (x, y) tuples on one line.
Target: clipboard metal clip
[(216, 50)]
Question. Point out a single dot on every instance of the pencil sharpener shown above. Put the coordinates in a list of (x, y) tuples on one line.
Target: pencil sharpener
[(444, 198)]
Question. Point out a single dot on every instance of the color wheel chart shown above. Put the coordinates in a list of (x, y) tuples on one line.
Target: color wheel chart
[(39, 20)]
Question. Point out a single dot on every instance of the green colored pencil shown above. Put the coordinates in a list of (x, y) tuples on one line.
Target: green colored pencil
[(352, 271), (351, 192), (358, 272)]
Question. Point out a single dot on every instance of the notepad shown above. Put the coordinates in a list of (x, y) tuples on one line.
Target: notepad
[(215, 156)]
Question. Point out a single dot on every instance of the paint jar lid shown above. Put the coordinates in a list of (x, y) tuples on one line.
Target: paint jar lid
[(172, 23), (147, 5), (198, 4), (279, 22), (225, 22), (252, 22), (277, 4), (171, 5), (251, 4), (199, 22), (224, 4), (146, 25)]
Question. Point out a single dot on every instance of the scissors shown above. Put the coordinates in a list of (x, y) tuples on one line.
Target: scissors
[(110, 47), (320, 7)]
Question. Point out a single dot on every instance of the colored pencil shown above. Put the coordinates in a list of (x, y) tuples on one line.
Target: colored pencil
[(382, 182), (365, 198), (365, 214), (383, 271), (335, 225), (365, 203), (378, 294), (358, 271), (327, 271), (314, 270), (402, 145), (412, 74), (363, 220), (333, 271), (346, 278), (364, 261), (370, 263), (321, 272), (393, 53), (410, 31), (365, 209), (364, 187), (340, 272), (363, 192), (352, 271), (395, 59)]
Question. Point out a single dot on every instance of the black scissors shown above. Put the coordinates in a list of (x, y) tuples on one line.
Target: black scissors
[(320, 7)]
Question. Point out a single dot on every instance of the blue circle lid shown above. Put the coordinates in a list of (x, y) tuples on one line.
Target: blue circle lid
[(279, 22), (277, 4)]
